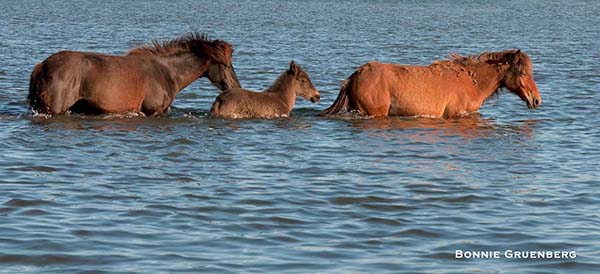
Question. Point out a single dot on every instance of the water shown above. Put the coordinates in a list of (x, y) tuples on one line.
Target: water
[(186, 193)]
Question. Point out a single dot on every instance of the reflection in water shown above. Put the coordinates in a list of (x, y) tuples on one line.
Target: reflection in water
[(445, 148), (188, 193), (435, 130), (112, 122)]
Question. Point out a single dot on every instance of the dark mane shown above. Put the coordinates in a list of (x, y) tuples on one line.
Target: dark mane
[(519, 59), (519, 62), (193, 42)]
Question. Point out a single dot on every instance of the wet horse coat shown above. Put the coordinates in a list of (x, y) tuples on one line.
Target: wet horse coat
[(147, 79), (446, 89)]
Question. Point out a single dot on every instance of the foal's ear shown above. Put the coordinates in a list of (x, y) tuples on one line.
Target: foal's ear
[(293, 68)]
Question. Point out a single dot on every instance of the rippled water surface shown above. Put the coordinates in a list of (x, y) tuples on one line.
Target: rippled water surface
[(186, 193)]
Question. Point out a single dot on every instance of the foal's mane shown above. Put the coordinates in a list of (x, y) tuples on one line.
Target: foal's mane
[(520, 60), (279, 82), (193, 42)]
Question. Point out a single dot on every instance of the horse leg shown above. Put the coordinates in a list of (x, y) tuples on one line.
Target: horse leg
[(51, 94), (156, 103), (372, 101), (62, 97)]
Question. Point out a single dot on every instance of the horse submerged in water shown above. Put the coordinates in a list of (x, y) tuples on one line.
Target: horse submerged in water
[(445, 89), (276, 101), (146, 79)]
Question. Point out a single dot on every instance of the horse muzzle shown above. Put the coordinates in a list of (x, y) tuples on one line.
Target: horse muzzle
[(533, 102), (315, 98)]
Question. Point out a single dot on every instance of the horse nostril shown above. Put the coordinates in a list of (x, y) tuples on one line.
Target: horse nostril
[(315, 98), (536, 102)]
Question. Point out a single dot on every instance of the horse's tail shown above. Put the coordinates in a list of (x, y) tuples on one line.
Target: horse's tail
[(341, 103), (38, 90)]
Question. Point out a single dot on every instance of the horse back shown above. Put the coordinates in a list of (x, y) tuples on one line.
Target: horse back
[(431, 78)]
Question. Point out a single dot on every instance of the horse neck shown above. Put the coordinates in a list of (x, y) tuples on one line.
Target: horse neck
[(488, 79), (184, 68), (284, 87)]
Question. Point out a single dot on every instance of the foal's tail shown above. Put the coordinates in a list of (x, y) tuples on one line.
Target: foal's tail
[(37, 90), (341, 103)]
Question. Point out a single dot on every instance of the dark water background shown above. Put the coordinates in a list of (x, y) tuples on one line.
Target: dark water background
[(187, 194)]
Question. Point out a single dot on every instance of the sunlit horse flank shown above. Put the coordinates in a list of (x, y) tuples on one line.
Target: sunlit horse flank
[(276, 101), (447, 89), (146, 79)]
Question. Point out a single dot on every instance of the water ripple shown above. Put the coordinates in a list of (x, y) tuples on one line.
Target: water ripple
[(187, 193)]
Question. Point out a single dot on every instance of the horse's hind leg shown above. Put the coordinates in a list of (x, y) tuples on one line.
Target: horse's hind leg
[(38, 95), (52, 103), (52, 93), (59, 99)]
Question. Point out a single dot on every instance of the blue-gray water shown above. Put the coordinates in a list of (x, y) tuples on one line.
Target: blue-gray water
[(186, 193)]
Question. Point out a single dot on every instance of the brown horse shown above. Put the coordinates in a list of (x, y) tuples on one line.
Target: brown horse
[(447, 89), (147, 79), (276, 101)]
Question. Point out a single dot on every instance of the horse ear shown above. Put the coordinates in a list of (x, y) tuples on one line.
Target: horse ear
[(516, 56), (293, 68)]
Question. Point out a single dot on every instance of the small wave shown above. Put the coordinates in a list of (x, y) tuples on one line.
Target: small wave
[(127, 115), (256, 202), (35, 169), (36, 114), (417, 232), (196, 196), (182, 141), (592, 267), (108, 116), (284, 239), (388, 207), (463, 199), (39, 260), (359, 200), (440, 255), (35, 212), (82, 233), (285, 220), (55, 259), (16, 202), (383, 221)]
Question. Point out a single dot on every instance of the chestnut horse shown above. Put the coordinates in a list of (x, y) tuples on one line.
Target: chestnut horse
[(146, 79), (446, 89), (276, 101)]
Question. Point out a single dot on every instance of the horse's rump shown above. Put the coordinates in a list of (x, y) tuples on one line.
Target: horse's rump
[(37, 89)]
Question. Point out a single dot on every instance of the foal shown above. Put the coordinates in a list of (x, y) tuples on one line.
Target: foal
[(276, 101)]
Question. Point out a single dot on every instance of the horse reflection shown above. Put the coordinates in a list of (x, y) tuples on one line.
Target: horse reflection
[(439, 130)]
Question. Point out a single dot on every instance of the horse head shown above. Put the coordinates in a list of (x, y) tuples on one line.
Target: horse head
[(306, 89), (519, 78), (220, 70)]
